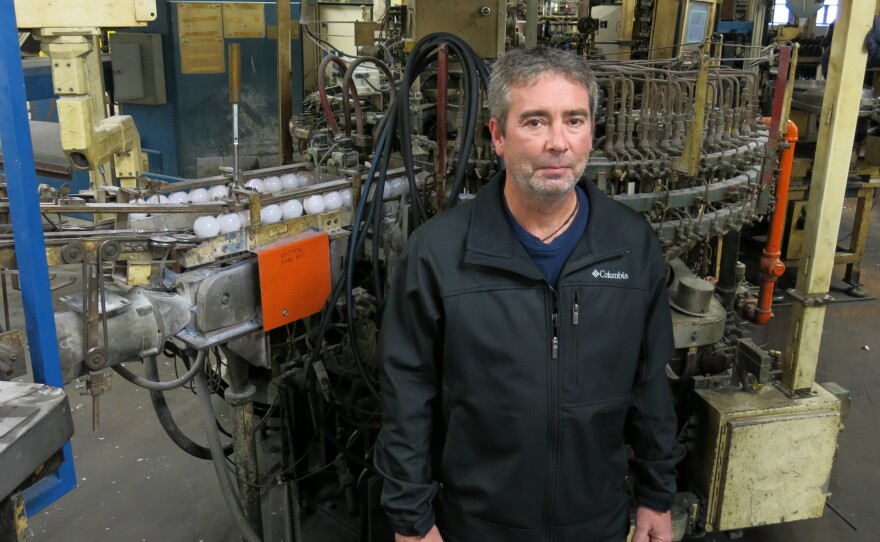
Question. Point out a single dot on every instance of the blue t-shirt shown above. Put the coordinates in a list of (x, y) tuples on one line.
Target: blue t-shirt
[(550, 257)]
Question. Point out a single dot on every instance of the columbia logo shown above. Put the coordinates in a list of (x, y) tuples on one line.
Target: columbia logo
[(616, 275)]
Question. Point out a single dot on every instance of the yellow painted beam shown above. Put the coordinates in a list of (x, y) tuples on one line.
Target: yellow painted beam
[(827, 189)]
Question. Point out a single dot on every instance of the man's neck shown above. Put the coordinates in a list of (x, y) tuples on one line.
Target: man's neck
[(543, 218)]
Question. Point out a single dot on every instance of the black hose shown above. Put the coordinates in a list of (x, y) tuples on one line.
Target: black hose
[(223, 476), (475, 71), (166, 420), (356, 239), (360, 226), (156, 385)]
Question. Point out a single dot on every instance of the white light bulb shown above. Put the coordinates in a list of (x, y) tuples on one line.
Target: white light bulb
[(256, 184), (270, 214), (332, 200), (272, 184), (199, 195), (219, 191), (291, 209), (178, 197), (245, 217), (289, 181), (314, 204), (158, 199), (306, 177), (398, 186), (345, 194), (206, 227), (229, 222)]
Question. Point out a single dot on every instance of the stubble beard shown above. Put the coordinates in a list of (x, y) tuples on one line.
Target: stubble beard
[(545, 190)]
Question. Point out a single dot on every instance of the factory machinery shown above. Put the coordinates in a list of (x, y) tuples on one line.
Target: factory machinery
[(266, 286)]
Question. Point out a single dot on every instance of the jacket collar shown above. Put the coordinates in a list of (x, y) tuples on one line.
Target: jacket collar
[(491, 242)]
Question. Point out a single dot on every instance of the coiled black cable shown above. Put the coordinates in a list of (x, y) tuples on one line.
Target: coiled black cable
[(475, 72), (166, 420)]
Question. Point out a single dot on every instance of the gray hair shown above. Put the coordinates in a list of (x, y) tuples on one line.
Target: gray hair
[(523, 68)]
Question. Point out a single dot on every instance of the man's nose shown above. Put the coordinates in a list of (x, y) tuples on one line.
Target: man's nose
[(556, 138)]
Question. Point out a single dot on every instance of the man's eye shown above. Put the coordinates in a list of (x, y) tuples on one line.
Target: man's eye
[(577, 121), (533, 123)]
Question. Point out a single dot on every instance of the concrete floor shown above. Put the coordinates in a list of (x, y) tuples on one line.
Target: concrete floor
[(134, 484)]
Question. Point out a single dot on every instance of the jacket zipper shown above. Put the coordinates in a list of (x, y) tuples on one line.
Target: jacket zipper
[(554, 416), (550, 501), (575, 317)]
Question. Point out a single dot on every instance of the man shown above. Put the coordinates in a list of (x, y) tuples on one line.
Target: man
[(525, 333)]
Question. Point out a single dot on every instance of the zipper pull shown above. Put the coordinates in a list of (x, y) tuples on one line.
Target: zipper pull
[(554, 351), (575, 311)]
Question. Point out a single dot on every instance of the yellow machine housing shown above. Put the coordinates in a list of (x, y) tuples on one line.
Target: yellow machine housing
[(762, 457)]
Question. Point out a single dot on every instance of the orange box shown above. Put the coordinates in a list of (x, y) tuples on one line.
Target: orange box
[(294, 277)]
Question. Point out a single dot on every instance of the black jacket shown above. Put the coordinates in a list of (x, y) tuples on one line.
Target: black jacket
[(505, 403)]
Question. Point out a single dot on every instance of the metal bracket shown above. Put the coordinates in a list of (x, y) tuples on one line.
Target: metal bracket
[(794, 394), (814, 300)]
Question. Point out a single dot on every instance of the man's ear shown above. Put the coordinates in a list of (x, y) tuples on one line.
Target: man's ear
[(497, 137)]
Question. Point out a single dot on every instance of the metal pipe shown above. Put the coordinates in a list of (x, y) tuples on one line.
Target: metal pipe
[(771, 266), (531, 23), (240, 396), (234, 98), (726, 286), (776, 114), (285, 100), (228, 491)]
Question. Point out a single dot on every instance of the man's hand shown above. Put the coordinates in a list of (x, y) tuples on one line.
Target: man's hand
[(652, 526), (432, 536)]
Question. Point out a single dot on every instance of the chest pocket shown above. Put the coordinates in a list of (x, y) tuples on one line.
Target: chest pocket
[(601, 334)]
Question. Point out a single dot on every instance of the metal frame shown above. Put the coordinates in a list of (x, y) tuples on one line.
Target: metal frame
[(30, 248)]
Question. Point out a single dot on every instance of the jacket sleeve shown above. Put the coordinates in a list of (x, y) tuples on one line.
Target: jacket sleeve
[(651, 424), (409, 340)]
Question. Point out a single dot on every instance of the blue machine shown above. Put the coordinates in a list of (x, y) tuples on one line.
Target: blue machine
[(30, 248)]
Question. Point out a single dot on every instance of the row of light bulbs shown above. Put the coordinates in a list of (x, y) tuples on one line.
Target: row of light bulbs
[(269, 185), (208, 226)]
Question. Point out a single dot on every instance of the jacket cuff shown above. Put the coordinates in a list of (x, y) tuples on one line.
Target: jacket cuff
[(420, 528), (660, 502)]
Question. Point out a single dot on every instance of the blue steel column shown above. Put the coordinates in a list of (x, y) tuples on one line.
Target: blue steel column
[(30, 247)]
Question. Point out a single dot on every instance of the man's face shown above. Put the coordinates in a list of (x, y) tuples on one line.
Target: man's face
[(548, 137)]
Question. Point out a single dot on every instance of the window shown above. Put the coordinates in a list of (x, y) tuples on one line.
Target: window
[(781, 15), (826, 15)]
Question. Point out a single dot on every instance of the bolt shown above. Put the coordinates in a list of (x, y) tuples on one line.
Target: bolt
[(485, 10), (225, 299), (284, 312)]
